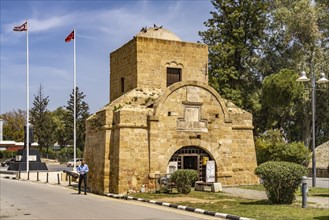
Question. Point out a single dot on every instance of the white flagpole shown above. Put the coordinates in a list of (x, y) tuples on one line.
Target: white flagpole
[(74, 112), (27, 102)]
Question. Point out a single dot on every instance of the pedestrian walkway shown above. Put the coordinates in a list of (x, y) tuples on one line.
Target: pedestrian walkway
[(313, 201)]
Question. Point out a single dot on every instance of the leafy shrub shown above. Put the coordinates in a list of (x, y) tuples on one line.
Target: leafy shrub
[(271, 146), (7, 154), (281, 180), (184, 179)]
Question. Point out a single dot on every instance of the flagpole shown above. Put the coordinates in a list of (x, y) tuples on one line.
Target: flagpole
[(27, 102), (74, 112)]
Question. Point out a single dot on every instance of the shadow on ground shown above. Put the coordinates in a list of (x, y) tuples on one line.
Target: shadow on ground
[(257, 202), (322, 217)]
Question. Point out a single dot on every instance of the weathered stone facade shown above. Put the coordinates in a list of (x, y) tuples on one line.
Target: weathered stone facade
[(147, 123)]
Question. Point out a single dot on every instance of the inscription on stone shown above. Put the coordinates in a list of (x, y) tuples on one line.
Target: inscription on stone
[(193, 94), (192, 119)]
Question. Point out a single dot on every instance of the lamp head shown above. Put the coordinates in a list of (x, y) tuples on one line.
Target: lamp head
[(303, 77), (322, 79)]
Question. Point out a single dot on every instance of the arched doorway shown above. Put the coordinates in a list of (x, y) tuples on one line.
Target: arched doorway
[(190, 157)]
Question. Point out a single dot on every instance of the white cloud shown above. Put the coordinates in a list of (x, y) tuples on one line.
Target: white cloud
[(39, 25)]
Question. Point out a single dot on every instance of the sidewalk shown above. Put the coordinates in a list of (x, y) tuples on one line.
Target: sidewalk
[(312, 201), (50, 177)]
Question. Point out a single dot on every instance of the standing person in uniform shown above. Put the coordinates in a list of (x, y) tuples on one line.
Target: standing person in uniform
[(83, 171)]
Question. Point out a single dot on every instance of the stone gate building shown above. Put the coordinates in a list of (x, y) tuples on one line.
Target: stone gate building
[(164, 116)]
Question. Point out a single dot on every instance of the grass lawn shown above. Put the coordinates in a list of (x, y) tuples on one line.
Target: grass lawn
[(323, 192), (257, 209)]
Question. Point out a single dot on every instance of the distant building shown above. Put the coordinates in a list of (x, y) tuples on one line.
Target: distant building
[(322, 160), (164, 116), (13, 146)]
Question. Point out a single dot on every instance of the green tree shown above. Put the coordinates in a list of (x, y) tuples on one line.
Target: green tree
[(82, 113), (234, 36), (42, 121), (59, 116), (272, 146), (250, 40), (298, 40), (322, 116), (13, 126), (281, 101)]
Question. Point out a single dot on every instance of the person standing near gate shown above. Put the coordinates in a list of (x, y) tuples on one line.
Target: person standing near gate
[(83, 171)]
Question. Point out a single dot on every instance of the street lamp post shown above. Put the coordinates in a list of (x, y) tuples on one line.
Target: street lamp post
[(323, 79)]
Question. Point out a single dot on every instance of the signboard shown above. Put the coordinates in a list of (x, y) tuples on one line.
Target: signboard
[(172, 167), (32, 157), (18, 157), (210, 171), (204, 160)]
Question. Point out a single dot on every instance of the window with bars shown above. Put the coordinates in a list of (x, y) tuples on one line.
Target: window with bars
[(173, 75)]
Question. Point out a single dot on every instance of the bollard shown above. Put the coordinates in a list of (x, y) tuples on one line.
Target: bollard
[(304, 192), (37, 175), (58, 181), (47, 177), (69, 180)]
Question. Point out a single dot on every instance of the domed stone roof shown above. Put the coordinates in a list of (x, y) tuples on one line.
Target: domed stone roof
[(159, 33)]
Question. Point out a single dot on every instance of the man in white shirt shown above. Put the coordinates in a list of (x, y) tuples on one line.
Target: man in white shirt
[(83, 171)]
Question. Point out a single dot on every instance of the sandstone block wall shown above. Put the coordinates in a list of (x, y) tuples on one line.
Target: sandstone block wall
[(155, 55), (150, 58), (123, 64), (135, 136), (129, 144)]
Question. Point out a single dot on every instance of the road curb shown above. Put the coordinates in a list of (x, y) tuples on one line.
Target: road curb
[(187, 208)]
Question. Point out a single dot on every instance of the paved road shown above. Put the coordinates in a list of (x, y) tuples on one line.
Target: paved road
[(30, 200)]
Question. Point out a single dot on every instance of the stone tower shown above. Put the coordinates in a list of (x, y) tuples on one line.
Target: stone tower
[(164, 116)]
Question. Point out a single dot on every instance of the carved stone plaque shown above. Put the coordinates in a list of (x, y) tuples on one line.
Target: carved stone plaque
[(193, 94), (192, 119)]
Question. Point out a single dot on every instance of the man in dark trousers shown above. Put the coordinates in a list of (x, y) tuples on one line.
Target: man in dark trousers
[(83, 171)]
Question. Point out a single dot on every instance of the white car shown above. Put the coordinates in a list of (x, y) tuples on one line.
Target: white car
[(71, 162)]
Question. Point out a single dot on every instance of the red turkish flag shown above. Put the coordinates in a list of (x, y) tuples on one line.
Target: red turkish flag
[(70, 37)]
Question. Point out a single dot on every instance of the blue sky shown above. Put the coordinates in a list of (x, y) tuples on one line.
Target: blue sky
[(101, 26)]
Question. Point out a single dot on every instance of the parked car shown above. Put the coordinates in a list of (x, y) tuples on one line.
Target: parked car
[(71, 162), (7, 162)]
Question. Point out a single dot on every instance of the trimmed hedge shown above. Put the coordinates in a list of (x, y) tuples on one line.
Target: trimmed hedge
[(281, 180), (184, 179)]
